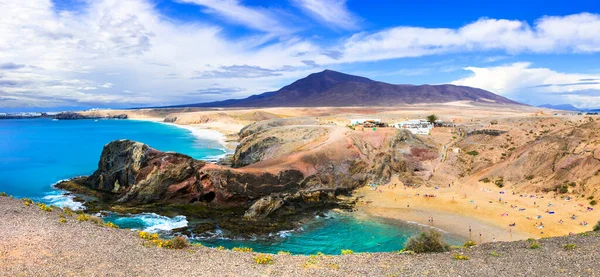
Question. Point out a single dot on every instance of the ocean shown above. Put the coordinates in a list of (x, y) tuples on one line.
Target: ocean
[(37, 153)]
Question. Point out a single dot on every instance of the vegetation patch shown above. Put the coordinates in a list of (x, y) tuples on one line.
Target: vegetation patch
[(430, 241), (473, 153), (469, 244), (570, 246), (284, 253), (3, 194), (83, 217), (153, 239), (406, 252), (347, 252), (534, 245), (44, 207), (597, 226), (458, 256), (495, 254), (593, 202), (27, 201), (242, 249), (110, 225), (263, 259)]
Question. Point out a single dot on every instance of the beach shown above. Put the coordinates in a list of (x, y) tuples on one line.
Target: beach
[(482, 210)]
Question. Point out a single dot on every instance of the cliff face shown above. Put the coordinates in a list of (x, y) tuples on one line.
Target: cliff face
[(300, 168)]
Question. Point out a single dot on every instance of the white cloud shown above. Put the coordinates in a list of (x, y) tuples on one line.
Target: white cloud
[(536, 85), (333, 12), (579, 33), (255, 18), (92, 56)]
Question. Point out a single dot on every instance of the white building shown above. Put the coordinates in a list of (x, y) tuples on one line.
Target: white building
[(363, 120), (415, 126)]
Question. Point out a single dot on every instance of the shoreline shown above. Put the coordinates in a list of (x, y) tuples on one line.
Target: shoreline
[(198, 132)]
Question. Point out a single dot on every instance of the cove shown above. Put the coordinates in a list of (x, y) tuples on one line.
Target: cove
[(36, 153)]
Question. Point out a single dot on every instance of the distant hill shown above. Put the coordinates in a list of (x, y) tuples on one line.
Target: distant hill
[(562, 107), (334, 89)]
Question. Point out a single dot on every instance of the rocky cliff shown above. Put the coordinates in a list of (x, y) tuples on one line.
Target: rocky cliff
[(302, 169)]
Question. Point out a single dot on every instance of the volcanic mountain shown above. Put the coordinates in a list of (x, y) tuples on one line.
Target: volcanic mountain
[(334, 89)]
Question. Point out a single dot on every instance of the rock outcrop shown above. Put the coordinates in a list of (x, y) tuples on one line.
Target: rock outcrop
[(73, 116), (303, 169)]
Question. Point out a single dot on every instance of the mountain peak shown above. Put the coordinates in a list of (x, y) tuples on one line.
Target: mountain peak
[(330, 88)]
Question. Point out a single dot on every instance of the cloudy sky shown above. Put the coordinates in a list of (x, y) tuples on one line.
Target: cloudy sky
[(67, 54)]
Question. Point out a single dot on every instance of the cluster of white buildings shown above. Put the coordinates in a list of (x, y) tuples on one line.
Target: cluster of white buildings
[(415, 126)]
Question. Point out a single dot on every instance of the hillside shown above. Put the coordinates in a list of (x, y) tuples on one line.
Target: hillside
[(334, 89)]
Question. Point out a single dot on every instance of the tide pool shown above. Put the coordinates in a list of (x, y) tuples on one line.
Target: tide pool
[(37, 153)]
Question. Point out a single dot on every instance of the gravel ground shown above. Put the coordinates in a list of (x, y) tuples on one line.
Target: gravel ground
[(35, 243)]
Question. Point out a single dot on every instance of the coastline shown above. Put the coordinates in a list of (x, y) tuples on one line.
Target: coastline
[(198, 132)]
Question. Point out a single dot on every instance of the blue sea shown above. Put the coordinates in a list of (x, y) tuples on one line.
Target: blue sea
[(37, 153)]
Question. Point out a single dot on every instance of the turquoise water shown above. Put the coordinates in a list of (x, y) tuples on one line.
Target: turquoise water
[(36, 153)]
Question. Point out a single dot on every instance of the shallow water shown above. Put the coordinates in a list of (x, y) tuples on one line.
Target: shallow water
[(36, 153)]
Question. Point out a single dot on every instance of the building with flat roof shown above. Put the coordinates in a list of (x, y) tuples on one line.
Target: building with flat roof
[(415, 126)]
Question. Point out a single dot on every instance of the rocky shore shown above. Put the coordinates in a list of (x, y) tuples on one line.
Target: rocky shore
[(36, 243), (272, 185)]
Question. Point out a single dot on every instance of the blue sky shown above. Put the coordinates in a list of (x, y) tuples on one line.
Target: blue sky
[(71, 54)]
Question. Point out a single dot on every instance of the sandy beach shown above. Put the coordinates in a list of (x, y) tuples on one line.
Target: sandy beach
[(487, 212)]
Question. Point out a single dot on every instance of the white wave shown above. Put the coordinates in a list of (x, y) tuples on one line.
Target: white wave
[(154, 223), (63, 200), (427, 226)]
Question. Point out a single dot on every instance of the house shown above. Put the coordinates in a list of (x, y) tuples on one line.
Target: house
[(363, 121), (415, 126)]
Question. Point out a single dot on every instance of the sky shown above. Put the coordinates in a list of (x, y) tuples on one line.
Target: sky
[(79, 54)]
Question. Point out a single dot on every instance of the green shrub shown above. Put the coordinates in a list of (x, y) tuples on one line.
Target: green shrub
[(44, 207), (430, 241), (469, 244), (529, 177), (83, 217), (495, 254), (458, 256), (597, 226), (179, 242), (110, 225), (242, 249), (284, 253), (534, 245), (485, 180), (589, 198), (593, 202), (499, 183), (96, 220), (473, 153), (405, 252), (347, 252), (263, 259), (4, 194), (570, 246)]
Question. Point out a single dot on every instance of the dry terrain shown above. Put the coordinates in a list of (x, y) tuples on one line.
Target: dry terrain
[(35, 243)]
